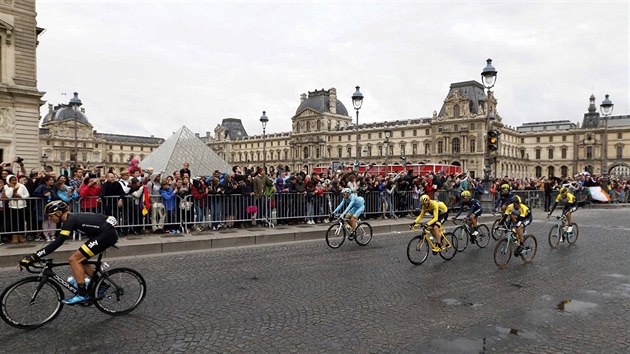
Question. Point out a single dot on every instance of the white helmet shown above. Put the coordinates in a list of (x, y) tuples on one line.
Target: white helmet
[(346, 191)]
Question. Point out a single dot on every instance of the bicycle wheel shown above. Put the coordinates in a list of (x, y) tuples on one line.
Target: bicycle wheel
[(502, 253), (462, 238), (498, 232), (21, 310), (363, 235), (119, 291), (418, 250), (451, 250), (530, 246), (554, 237), (573, 235), (483, 238), (335, 236)]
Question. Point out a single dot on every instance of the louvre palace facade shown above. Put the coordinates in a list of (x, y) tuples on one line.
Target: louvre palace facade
[(323, 131)]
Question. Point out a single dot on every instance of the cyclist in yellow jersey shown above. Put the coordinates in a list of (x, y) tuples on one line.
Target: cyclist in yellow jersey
[(570, 205), (440, 214), (519, 216)]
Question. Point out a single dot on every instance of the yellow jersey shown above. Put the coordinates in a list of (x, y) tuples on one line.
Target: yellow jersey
[(522, 211), (568, 198), (435, 207)]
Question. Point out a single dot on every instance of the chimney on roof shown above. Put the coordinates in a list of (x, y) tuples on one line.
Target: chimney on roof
[(207, 134), (332, 100), (197, 135), (302, 97), (83, 110), (50, 108)]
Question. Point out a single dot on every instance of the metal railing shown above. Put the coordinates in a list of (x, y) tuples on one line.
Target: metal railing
[(183, 214)]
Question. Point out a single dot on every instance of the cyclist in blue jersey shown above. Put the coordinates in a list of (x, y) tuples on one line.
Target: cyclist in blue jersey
[(474, 211), (355, 206)]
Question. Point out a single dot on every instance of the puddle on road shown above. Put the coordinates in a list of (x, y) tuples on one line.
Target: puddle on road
[(575, 306), (516, 332), (455, 302)]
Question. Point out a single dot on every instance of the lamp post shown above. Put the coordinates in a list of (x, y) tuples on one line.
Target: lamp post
[(357, 101), (75, 103), (388, 134), (264, 120), (606, 108), (488, 79), (44, 159)]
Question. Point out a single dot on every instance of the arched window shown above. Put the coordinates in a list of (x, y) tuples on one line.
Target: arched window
[(538, 171), (258, 156), (319, 125), (551, 171), (473, 148), (551, 153), (456, 110), (440, 147), (455, 146), (564, 171), (308, 126), (427, 148), (619, 152), (306, 152)]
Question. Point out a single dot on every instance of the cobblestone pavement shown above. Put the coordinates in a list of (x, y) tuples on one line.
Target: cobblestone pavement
[(306, 297)]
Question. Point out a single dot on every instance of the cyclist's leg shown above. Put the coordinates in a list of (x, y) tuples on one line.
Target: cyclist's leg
[(435, 231), (356, 215)]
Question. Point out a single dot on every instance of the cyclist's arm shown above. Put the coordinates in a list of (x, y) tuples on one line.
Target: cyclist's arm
[(461, 208), (338, 207), (60, 238), (424, 210)]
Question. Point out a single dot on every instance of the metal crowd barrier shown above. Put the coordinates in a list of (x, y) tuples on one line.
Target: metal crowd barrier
[(225, 211)]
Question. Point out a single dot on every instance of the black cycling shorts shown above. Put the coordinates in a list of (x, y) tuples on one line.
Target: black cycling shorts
[(99, 243), (442, 217), (524, 220), (569, 207)]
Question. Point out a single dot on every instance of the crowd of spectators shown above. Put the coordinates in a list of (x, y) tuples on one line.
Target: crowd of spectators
[(181, 201)]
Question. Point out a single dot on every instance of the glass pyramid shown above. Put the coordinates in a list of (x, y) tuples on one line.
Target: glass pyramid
[(184, 146)]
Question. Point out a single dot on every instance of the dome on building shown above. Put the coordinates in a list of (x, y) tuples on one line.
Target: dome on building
[(319, 100), (63, 112)]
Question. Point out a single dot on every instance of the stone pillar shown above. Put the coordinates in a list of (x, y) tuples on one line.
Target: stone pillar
[(332, 100)]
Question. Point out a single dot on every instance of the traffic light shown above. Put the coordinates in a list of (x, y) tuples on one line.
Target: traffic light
[(493, 140)]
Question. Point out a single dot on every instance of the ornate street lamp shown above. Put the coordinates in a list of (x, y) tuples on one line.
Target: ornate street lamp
[(263, 121), (488, 79), (357, 101), (44, 159), (75, 103), (606, 109)]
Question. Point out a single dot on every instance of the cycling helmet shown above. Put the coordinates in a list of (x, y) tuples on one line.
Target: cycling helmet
[(424, 199), (54, 206), (516, 199), (346, 191), (505, 186), (564, 190), (466, 194)]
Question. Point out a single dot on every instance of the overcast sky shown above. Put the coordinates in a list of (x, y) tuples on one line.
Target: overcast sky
[(149, 67)]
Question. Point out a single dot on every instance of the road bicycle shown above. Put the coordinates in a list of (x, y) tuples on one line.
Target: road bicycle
[(418, 247), (465, 231), (559, 232), (36, 300), (505, 248), (338, 232)]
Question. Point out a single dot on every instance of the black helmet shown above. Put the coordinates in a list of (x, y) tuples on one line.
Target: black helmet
[(516, 199), (54, 206)]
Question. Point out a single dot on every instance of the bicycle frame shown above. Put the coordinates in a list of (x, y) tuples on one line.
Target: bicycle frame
[(427, 237), (48, 273)]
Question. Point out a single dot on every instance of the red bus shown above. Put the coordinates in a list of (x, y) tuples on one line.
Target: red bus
[(418, 169)]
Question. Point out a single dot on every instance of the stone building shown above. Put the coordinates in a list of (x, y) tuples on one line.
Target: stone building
[(65, 132), (19, 97), (323, 132)]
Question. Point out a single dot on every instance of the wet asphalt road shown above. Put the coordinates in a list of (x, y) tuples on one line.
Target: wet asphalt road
[(305, 297)]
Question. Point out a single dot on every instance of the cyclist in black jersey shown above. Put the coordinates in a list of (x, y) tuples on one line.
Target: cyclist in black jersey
[(101, 235), (474, 211)]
